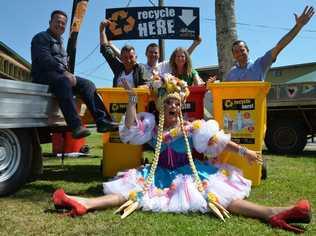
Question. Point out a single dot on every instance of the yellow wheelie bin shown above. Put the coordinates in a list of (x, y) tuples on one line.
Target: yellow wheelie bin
[(240, 109), (118, 156)]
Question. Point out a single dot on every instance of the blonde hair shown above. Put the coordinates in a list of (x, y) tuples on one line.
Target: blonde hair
[(151, 175), (187, 65), (163, 89)]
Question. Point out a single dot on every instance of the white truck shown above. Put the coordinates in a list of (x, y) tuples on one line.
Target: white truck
[(28, 115)]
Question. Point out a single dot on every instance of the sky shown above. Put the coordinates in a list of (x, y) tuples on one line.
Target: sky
[(260, 23)]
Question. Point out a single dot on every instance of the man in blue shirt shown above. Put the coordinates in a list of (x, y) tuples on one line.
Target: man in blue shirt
[(50, 66), (248, 71)]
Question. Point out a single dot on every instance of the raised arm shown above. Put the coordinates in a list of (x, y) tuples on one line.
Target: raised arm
[(301, 20), (115, 49), (195, 43), (130, 118), (104, 39)]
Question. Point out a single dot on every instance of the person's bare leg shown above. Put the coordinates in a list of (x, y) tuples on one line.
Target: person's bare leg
[(278, 217), (101, 202), (253, 210)]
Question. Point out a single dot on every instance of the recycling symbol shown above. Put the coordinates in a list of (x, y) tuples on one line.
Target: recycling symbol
[(114, 107), (228, 104), (121, 23)]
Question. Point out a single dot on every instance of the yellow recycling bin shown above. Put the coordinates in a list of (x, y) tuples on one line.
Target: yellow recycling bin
[(118, 156), (240, 109)]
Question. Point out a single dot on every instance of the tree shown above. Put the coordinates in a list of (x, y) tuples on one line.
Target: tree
[(225, 34)]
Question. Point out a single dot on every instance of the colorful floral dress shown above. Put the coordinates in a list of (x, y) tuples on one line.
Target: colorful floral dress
[(173, 188)]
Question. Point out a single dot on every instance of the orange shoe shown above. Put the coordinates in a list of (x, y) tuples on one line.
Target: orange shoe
[(300, 213), (61, 200)]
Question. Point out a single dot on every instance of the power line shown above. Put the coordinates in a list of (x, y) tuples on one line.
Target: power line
[(129, 2), (93, 50), (263, 26), (86, 57), (152, 3), (91, 71), (95, 76), (270, 27)]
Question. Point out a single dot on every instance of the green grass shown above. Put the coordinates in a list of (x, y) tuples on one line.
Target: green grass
[(31, 212)]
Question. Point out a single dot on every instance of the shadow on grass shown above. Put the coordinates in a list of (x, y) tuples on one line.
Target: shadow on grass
[(82, 180), (39, 191), (305, 154), (41, 194), (95, 190), (72, 173)]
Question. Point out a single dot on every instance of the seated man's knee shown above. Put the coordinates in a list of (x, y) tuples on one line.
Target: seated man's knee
[(61, 87), (85, 84)]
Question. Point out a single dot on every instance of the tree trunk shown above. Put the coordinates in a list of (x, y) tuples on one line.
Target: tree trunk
[(225, 34)]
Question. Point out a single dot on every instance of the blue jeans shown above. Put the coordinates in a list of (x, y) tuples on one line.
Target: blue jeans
[(60, 86)]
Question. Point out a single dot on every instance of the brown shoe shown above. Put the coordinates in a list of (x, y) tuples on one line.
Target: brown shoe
[(107, 126), (80, 132)]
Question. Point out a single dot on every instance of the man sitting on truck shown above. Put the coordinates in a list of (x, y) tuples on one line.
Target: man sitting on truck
[(248, 71), (50, 66)]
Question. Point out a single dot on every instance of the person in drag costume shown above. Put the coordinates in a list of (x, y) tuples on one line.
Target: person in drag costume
[(175, 181)]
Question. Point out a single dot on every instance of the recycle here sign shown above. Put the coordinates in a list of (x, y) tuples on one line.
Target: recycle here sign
[(153, 23)]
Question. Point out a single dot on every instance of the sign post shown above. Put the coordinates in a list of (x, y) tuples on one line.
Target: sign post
[(161, 42)]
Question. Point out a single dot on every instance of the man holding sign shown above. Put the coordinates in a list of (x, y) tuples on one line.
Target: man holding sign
[(125, 67), (154, 23)]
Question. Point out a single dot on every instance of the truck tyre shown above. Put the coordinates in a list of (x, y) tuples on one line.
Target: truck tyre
[(286, 137), (15, 159)]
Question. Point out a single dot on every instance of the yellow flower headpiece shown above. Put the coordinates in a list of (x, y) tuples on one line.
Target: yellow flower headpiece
[(168, 86)]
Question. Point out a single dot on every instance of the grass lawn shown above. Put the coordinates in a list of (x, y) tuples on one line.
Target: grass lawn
[(31, 212)]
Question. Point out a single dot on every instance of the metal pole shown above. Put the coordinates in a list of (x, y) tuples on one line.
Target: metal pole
[(161, 41)]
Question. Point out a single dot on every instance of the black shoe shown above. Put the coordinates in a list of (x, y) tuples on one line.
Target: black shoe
[(80, 132), (107, 126)]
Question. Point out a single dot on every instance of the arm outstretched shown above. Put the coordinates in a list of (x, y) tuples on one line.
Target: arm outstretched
[(301, 20)]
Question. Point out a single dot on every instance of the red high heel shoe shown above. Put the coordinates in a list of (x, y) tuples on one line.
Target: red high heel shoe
[(300, 213), (57, 199), (61, 200)]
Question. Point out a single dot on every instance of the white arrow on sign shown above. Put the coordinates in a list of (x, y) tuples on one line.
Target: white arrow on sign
[(187, 16)]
